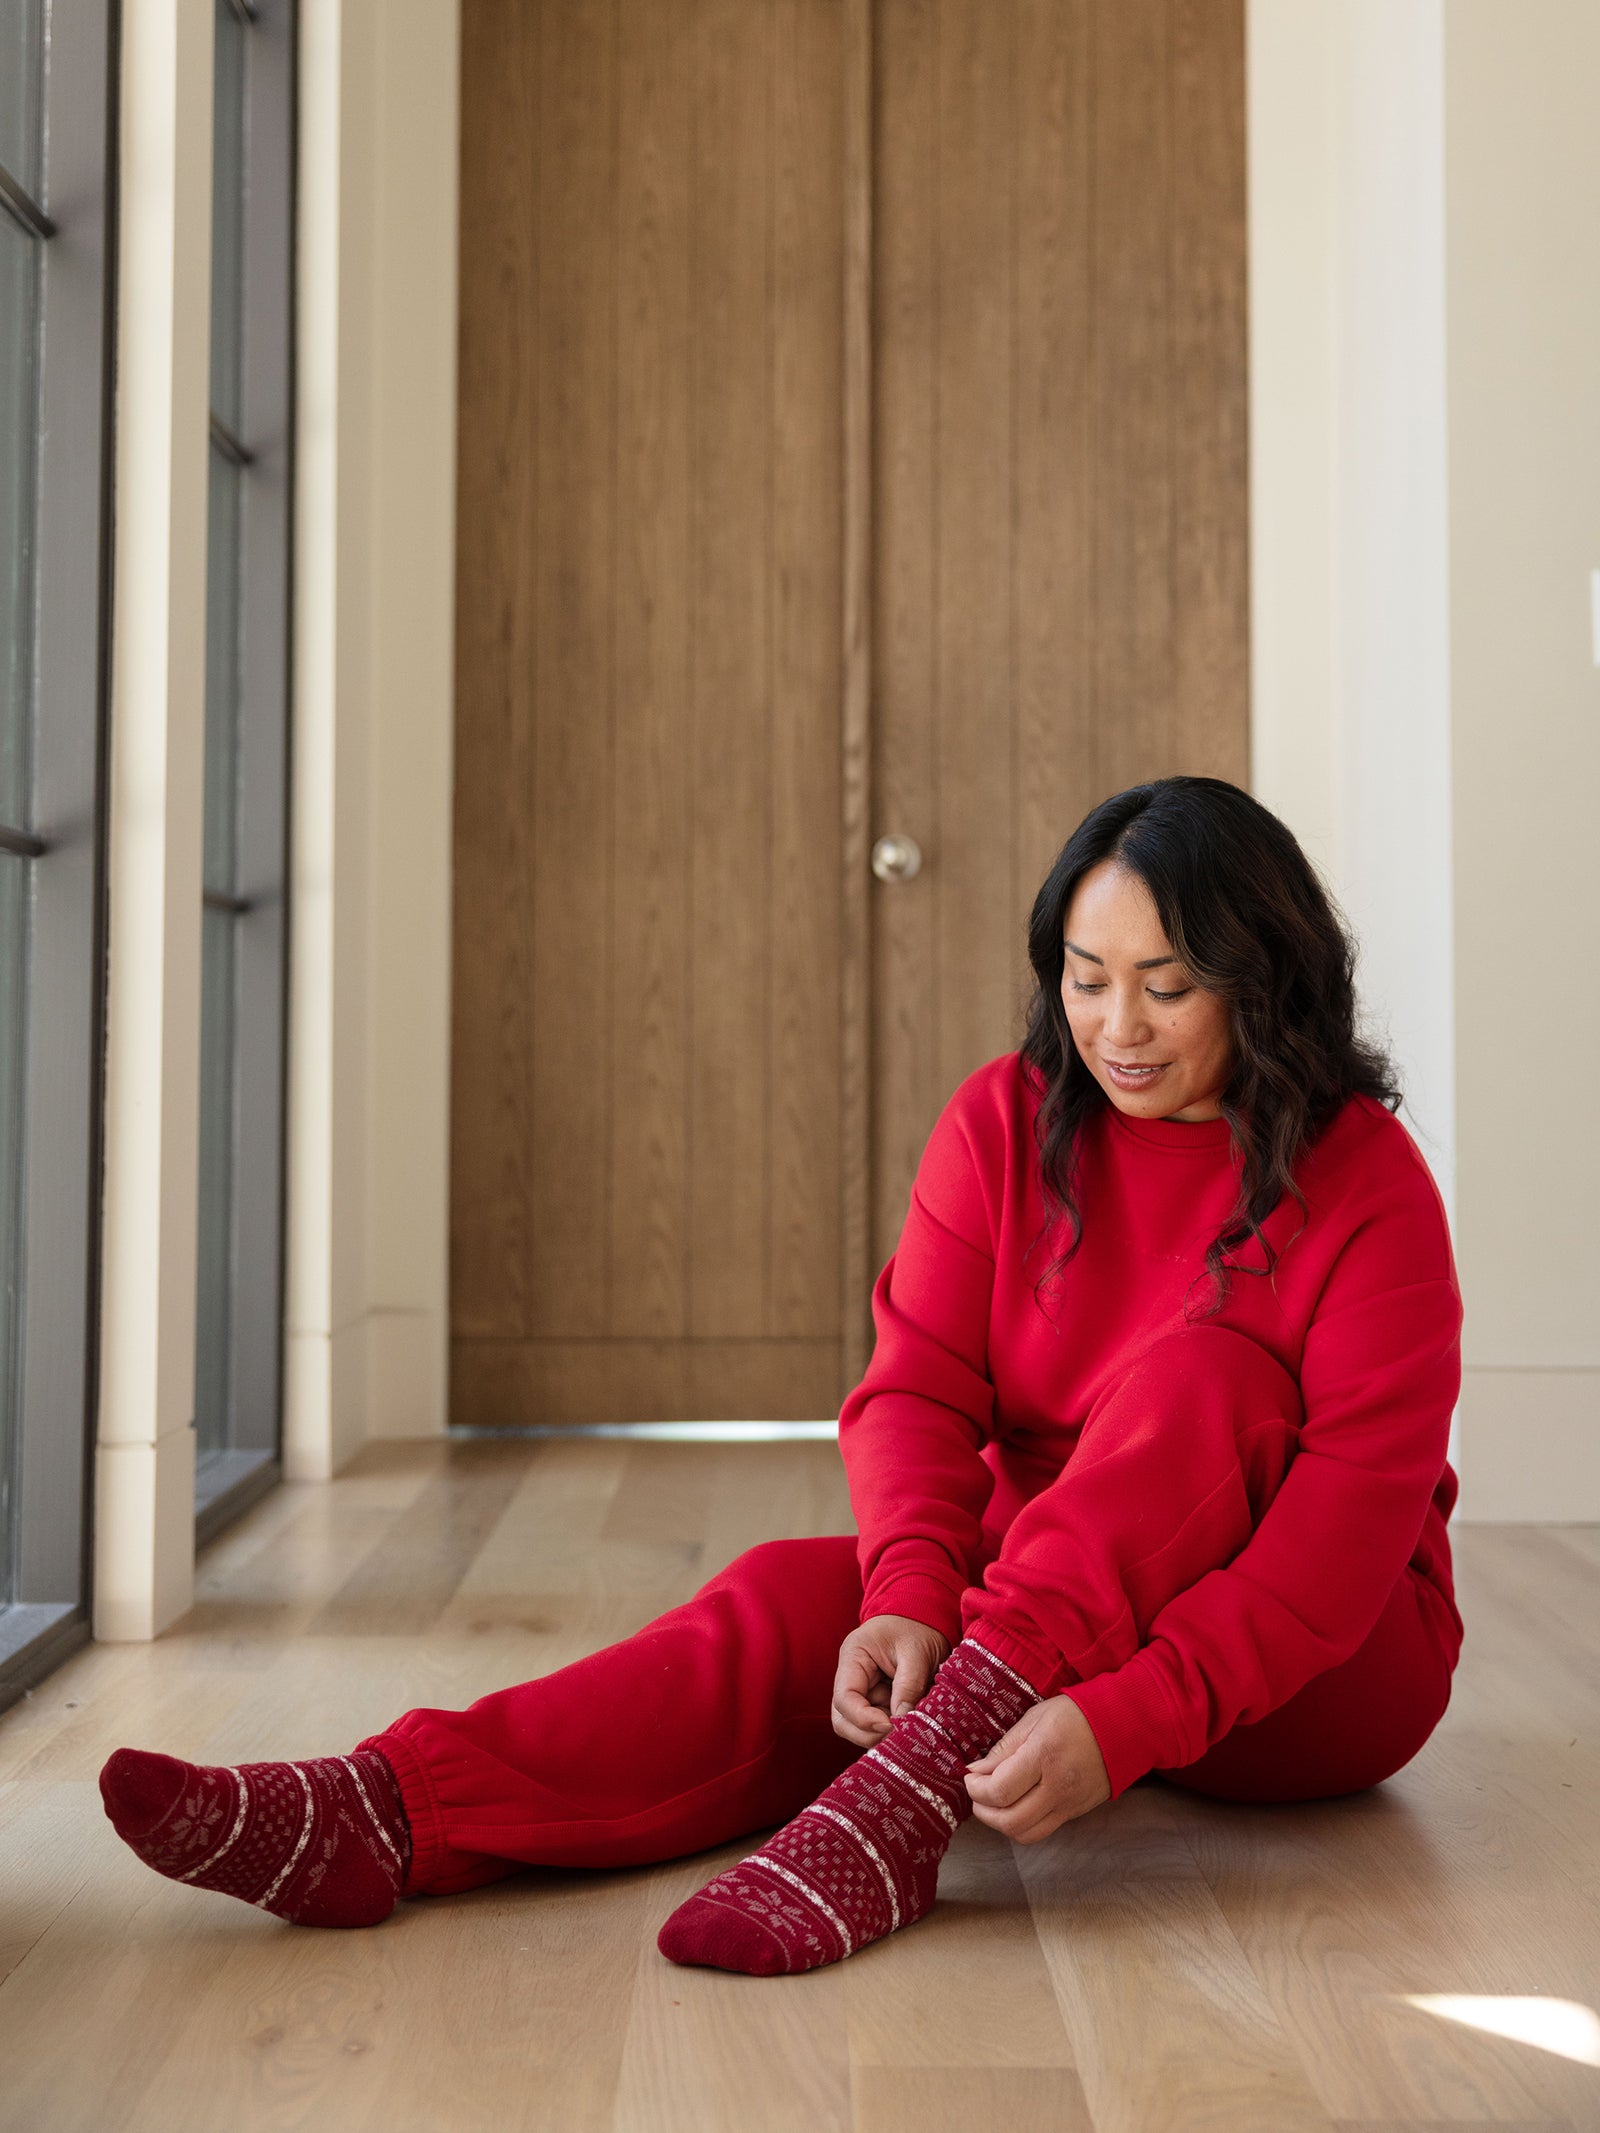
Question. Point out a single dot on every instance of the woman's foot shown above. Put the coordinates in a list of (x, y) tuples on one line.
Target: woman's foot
[(322, 1843), (864, 1857)]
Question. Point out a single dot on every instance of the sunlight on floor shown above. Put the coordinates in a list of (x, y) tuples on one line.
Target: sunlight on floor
[(1565, 2027)]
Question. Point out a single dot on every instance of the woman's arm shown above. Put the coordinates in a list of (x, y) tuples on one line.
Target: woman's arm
[(912, 1430)]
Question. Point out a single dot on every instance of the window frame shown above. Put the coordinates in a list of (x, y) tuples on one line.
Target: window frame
[(63, 1040), (230, 1479)]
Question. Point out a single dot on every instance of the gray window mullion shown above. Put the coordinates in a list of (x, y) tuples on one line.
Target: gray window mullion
[(62, 846), (20, 204)]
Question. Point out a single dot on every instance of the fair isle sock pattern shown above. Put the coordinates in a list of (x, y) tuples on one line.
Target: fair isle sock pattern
[(863, 1859), (321, 1843)]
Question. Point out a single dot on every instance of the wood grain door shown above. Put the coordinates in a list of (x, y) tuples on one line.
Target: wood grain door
[(851, 440), (1059, 497)]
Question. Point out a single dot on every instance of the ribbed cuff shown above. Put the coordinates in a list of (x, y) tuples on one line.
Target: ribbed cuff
[(918, 1596), (1041, 1668), (424, 1816), (1133, 1722)]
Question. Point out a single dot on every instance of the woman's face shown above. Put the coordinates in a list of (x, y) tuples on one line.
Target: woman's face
[(1157, 1043)]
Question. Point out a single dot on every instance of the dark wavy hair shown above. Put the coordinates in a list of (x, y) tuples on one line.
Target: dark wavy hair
[(1247, 914)]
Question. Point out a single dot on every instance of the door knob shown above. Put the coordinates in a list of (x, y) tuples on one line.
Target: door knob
[(896, 858)]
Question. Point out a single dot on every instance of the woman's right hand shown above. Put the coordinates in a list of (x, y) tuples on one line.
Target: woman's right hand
[(885, 1667)]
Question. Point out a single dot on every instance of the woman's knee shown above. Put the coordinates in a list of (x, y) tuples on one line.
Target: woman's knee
[(1208, 1361)]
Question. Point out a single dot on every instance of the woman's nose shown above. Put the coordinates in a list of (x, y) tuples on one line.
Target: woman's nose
[(1126, 1022)]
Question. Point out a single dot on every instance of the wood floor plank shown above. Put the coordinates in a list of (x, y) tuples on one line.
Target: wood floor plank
[(1345, 1908), (402, 1587), (1169, 2025), (970, 1988), (41, 1862), (707, 2052), (948, 2099)]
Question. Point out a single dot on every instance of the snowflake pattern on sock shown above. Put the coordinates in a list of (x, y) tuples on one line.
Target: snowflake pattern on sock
[(323, 1842), (863, 1859)]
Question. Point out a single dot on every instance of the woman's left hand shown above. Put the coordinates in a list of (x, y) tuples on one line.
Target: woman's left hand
[(1045, 1771)]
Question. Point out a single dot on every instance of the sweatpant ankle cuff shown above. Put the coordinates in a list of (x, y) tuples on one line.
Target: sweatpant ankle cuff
[(1044, 1670), (424, 1816)]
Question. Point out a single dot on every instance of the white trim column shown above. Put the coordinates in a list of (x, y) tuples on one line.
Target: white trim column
[(369, 1120), (325, 1301), (144, 1468)]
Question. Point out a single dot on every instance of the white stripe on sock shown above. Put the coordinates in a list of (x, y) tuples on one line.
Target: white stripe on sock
[(854, 1831), (263, 1902), (1011, 1673), (804, 1888), (366, 1800), (238, 1824), (922, 1791)]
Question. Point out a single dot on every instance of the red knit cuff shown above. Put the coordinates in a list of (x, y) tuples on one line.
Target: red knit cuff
[(424, 1816), (1133, 1722), (1040, 1666), (920, 1597)]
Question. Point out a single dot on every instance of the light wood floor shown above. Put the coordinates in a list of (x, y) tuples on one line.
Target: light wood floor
[(1163, 1964)]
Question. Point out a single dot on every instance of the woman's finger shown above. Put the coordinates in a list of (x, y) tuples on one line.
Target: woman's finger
[(912, 1674), (1019, 1815), (858, 1736), (1012, 1776)]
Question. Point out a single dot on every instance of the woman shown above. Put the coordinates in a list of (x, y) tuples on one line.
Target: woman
[(1170, 1497)]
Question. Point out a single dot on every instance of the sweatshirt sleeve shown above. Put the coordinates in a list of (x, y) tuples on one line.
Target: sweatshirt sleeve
[(1379, 1379), (912, 1431)]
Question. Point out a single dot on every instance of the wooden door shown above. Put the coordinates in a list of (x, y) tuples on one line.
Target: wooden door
[(1059, 497), (647, 877), (851, 440)]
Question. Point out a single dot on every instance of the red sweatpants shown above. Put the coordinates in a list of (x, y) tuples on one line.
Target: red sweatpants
[(713, 1721)]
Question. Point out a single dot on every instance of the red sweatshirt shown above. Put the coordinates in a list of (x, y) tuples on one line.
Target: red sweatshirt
[(973, 1399)]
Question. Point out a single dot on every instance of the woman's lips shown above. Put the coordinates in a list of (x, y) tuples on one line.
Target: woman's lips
[(1134, 1078)]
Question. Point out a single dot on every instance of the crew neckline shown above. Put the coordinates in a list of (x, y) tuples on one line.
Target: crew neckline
[(1180, 1136)]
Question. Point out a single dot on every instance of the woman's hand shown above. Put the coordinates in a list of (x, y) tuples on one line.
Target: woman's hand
[(1045, 1771), (885, 1667)]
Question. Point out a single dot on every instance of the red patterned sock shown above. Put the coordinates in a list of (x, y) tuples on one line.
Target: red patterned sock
[(323, 1843), (864, 1857)]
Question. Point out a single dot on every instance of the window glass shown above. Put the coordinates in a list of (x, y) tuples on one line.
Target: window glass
[(238, 1280), (55, 242), (21, 40), (227, 217), (13, 941), (218, 1081), (19, 339)]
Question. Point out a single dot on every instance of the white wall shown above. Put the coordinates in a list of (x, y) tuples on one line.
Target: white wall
[(1523, 175), (1425, 394), (1350, 654), (413, 694)]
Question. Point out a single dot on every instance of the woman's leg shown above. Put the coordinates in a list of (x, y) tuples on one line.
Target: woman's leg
[(1177, 1462), (712, 1720), (1350, 1727)]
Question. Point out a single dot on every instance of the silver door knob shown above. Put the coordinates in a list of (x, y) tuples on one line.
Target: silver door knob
[(896, 858)]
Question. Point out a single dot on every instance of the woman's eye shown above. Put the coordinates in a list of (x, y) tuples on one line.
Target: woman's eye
[(1180, 994), (1085, 988)]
